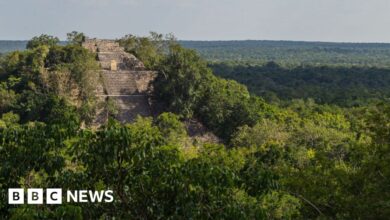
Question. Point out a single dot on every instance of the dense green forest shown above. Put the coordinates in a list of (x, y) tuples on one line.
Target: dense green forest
[(340, 85), (293, 53), (302, 159)]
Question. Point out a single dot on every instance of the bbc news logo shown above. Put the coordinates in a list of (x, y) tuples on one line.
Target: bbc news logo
[(36, 196)]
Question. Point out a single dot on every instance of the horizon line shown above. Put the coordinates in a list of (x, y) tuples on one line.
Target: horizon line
[(240, 40)]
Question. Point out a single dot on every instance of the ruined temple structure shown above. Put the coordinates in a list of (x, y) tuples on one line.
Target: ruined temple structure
[(124, 81), (126, 84)]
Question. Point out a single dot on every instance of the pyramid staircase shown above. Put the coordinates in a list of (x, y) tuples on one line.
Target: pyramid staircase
[(125, 82)]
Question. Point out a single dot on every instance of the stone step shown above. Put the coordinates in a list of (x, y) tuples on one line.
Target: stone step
[(108, 46), (107, 57), (129, 107), (119, 83), (95, 45)]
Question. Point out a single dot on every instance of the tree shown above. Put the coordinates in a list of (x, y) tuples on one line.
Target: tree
[(44, 39), (172, 129), (181, 80), (75, 37), (150, 50)]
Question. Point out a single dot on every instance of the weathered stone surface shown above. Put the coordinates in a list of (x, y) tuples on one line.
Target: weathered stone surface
[(119, 82), (109, 51), (132, 106), (100, 45), (127, 84)]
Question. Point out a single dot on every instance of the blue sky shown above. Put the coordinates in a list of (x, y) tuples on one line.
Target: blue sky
[(309, 20)]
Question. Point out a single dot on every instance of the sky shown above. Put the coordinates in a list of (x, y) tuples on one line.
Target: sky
[(301, 20)]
